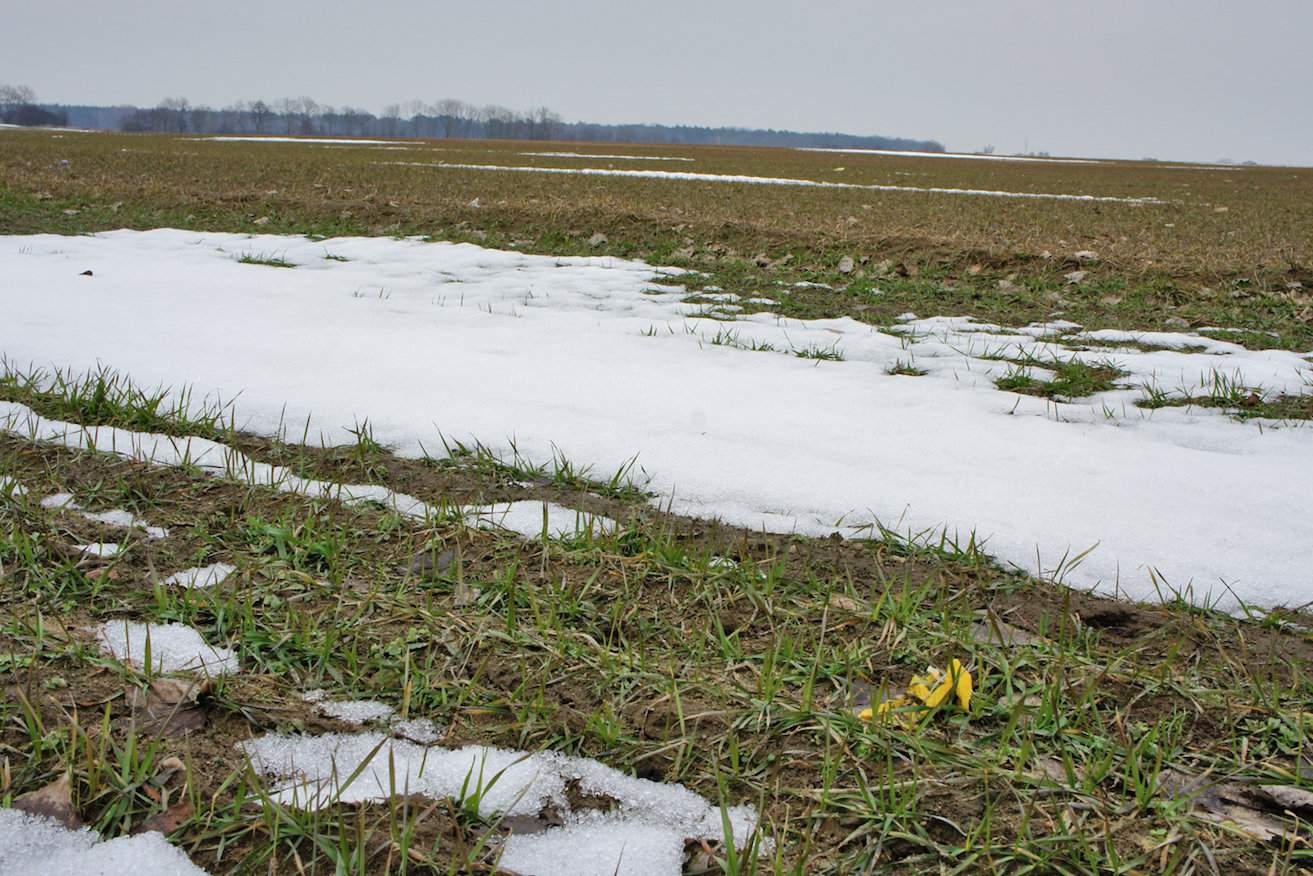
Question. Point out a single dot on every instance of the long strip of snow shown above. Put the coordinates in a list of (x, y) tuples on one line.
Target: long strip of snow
[(524, 517), (775, 181), (902, 153), (599, 360), (603, 156), (643, 834), (309, 141)]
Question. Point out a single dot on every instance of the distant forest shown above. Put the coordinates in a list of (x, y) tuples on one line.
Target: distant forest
[(444, 119)]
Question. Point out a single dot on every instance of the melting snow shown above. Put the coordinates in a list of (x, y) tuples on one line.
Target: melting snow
[(33, 844), (104, 550), (420, 730), (526, 518), (777, 181), (554, 355), (596, 846), (11, 487), (201, 576), (910, 154), (173, 647), (651, 819), (125, 520), (615, 157), (310, 141), (115, 518), (356, 711)]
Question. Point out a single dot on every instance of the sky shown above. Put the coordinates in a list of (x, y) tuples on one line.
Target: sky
[(1173, 79)]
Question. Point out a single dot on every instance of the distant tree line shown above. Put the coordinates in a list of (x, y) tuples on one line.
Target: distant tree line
[(18, 107), (443, 119)]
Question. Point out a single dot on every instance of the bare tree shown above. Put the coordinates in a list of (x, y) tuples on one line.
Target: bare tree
[(14, 96), (259, 115), (172, 114), (391, 120), (543, 124), (307, 108), (288, 110), (454, 116)]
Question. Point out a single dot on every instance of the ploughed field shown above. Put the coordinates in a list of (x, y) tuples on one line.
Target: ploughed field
[(425, 506)]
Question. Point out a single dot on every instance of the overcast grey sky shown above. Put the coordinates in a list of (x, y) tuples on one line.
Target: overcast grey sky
[(1186, 79)]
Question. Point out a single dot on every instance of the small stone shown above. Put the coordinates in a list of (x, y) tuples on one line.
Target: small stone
[(473, 205), (1176, 322), (1076, 277), (598, 239), (426, 565), (86, 274), (1085, 255), (846, 265), (263, 220)]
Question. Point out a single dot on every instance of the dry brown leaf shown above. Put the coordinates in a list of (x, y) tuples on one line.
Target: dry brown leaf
[(169, 820), (169, 706), (1256, 810), (992, 631), (53, 801), (846, 603)]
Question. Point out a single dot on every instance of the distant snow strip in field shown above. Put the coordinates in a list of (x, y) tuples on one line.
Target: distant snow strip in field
[(598, 359), (615, 157), (968, 155), (311, 141), (773, 181)]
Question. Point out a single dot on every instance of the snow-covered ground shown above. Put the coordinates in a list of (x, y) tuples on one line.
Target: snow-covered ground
[(598, 358), (777, 181), (31, 844)]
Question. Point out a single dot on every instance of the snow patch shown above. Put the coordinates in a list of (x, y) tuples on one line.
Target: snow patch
[(526, 517), (650, 821), (34, 844), (596, 846), (173, 647), (120, 519), (60, 500), (359, 712), (200, 576), (101, 549), (356, 711)]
